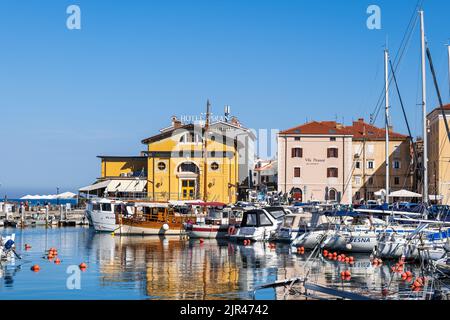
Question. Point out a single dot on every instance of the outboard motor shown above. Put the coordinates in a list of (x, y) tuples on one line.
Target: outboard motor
[(9, 244)]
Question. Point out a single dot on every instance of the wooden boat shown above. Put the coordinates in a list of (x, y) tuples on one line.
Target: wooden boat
[(136, 218)]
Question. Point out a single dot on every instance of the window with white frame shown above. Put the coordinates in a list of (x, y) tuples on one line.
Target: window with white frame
[(370, 164)]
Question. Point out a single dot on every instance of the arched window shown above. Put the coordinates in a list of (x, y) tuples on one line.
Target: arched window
[(188, 167), (191, 137), (332, 195)]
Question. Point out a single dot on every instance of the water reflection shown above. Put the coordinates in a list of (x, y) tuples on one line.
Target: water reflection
[(123, 267)]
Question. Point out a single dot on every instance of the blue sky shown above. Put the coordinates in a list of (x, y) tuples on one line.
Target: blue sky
[(67, 96)]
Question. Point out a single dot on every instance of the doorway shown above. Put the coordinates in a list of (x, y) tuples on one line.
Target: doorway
[(188, 189)]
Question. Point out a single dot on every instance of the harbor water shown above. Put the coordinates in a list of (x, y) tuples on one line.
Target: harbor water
[(137, 267)]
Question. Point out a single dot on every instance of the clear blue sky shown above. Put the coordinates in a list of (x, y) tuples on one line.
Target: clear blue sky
[(68, 96)]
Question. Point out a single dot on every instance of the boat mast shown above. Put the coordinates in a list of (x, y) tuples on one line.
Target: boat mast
[(424, 110), (386, 79), (205, 153)]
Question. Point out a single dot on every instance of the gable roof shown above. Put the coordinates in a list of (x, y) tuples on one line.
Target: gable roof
[(314, 127), (362, 130)]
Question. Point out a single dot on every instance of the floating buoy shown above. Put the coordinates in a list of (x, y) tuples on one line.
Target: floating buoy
[(201, 240), (335, 254), (27, 246), (409, 274), (57, 261), (325, 253), (347, 260), (404, 276), (330, 256), (83, 266), (347, 273), (35, 268)]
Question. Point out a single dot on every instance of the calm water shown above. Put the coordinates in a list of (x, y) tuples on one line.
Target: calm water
[(168, 268)]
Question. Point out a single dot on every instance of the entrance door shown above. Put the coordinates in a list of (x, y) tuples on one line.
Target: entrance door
[(187, 189)]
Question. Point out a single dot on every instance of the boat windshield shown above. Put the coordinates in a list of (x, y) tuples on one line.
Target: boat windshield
[(277, 213), (288, 222), (214, 214), (250, 219)]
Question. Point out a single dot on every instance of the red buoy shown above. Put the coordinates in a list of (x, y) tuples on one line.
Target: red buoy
[(35, 268)]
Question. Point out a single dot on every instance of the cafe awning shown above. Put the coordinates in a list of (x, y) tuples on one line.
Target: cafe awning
[(126, 186), (131, 185), (405, 194)]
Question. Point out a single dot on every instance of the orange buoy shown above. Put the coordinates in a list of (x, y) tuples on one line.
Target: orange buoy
[(325, 253), (409, 274), (83, 266), (335, 254), (27, 246), (351, 258), (35, 268), (347, 273), (347, 260), (201, 240), (404, 276), (57, 261), (330, 256)]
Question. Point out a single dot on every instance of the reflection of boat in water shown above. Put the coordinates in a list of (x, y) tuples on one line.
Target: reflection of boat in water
[(135, 218)]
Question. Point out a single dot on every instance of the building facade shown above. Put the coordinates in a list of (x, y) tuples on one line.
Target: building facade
[(439, 156), (314, 162), (327, 161)]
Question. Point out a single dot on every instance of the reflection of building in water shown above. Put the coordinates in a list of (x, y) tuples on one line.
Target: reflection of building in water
[(192, 271), (169, 268)]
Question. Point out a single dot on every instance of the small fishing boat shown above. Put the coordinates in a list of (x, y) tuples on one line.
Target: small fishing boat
[(7, 246), (218, 224), (259, 224)]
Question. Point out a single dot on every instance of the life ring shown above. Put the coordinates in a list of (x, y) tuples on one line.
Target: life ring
[(231, 230)]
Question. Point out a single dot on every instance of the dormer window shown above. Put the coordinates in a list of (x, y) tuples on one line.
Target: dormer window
[(191, 137)]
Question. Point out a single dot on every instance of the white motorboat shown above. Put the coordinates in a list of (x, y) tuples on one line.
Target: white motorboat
[(218, 224), (7, 245), (259, 224)]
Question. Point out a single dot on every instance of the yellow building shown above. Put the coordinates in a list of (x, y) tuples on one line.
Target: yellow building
[(174, 164), (438, 156)]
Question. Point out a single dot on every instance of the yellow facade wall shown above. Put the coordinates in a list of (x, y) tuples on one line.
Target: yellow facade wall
[(166, 184), (115, 167)]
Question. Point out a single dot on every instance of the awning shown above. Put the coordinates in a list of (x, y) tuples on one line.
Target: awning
[(95, 186), (132, 185), (126, 186), (405, 194)]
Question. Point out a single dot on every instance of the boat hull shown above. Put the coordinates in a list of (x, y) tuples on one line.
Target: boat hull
[(209, 231)]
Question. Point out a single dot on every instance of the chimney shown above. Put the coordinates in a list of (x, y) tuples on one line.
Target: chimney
[(361, 120), (175, 122), (235, 121)]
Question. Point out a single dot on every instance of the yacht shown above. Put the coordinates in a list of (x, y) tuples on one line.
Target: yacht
[(259, 224)]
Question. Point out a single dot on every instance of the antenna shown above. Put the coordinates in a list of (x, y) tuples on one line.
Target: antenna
[(227, 113)]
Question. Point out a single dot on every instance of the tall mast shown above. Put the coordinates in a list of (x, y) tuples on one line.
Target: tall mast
[(424, 110), (205, 153), (386, 79)]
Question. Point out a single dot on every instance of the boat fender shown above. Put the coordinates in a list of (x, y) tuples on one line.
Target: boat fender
[(165, 226), (231, 230)]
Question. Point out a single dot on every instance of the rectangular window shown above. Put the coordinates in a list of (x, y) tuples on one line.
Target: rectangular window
[(358, 165), (333, 139), (371, 181), (332, 172), (297, 139), (332, 153), (297, 172), (358, 180), (397, 164), (297, 153), (396, 181), (370, 164)]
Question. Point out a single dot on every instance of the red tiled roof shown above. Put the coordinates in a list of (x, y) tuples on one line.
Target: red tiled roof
[(360, 129), (323, 127)]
